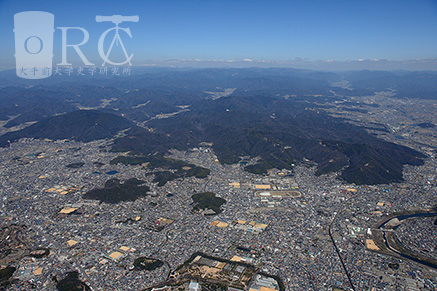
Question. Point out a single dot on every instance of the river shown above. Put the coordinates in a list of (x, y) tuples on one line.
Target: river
[(401, 218)]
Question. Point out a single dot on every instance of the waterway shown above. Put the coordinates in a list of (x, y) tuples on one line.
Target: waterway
[(401, 219)]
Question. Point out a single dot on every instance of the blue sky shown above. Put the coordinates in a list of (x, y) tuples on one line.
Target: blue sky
[(276, 31)]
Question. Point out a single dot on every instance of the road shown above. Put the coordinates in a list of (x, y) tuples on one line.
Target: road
[(335, 246)]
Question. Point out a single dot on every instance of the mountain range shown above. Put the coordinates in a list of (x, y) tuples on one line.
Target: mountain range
[(274, 114)]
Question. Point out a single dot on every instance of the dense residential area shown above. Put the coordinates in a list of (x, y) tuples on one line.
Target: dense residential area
[(294, 226)]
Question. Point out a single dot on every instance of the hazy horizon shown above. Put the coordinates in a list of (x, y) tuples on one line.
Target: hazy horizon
[(319, 65)]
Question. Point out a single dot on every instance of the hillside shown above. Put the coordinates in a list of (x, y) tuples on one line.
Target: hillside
[(81, 125), (281, 132)]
